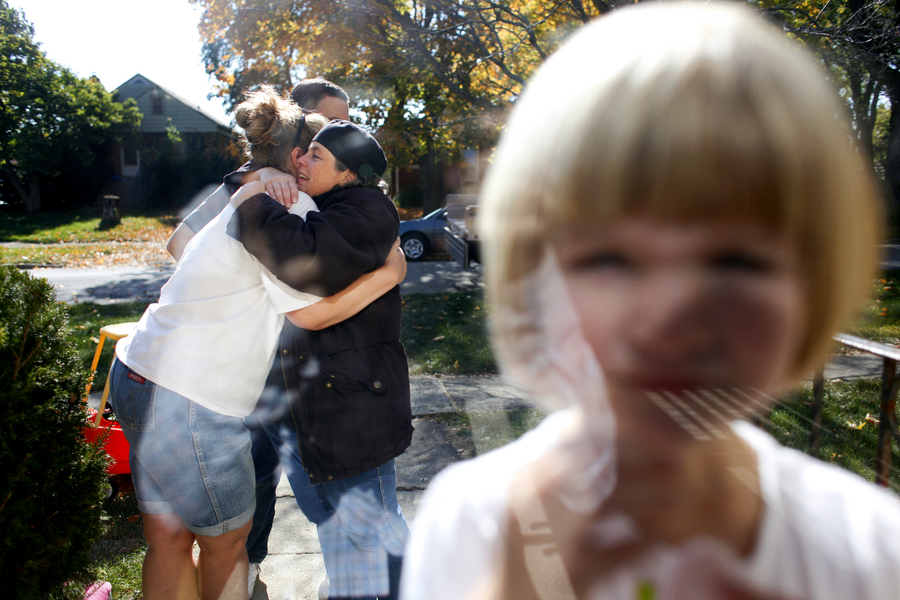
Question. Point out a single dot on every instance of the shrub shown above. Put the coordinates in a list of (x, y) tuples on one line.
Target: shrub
[(409, 197), (51, 481)]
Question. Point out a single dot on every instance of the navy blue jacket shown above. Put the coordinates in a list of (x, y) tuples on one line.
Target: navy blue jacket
[(347, 385)]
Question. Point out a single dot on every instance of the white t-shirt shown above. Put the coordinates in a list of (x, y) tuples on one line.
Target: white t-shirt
[(826, 534), (213, 334)]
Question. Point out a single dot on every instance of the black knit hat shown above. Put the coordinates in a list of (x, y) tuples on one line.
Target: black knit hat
[(351, 145)]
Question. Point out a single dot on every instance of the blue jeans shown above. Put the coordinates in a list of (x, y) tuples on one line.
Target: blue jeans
[(358, 520), (185, 458), (268, 474)]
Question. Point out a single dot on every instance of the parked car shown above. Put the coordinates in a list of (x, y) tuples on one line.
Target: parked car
[(418, 237)]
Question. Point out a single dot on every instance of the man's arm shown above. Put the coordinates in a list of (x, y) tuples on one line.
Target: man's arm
[(194, 222), (179, 240), (349, 301)]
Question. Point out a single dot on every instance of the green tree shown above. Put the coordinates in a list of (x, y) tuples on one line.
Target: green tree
[(51, 481), (53, 122), (858, 41), (434, 77), (437, 76)]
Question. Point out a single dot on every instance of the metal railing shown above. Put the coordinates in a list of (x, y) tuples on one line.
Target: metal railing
[(890, 383)]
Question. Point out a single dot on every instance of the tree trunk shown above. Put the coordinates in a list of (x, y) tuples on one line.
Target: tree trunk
[(20, 189), (430, 182), (892, 164), (33, 202)]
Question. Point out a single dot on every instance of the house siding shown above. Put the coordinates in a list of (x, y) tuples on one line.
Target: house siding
[(202, 135)]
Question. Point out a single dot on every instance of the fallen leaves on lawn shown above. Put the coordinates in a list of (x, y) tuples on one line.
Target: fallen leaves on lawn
[(74, 256)]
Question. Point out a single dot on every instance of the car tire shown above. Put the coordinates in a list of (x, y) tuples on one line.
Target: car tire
[(414, 246)]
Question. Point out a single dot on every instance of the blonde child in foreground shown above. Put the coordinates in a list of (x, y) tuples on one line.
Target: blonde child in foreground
[(670, 246)]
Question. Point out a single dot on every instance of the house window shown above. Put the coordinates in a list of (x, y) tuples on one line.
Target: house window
[(129, 156), (157, 106)]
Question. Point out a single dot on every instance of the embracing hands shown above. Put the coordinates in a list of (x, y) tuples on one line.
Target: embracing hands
[(280, 186)]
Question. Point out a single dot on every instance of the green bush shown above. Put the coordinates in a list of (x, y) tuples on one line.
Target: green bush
[(51, 482), (409, 197)]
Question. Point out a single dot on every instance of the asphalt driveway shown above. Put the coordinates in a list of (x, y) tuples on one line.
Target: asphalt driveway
[(126, 284)]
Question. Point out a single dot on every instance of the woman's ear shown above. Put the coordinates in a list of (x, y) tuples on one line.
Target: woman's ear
[(347, 177), (296, 154)]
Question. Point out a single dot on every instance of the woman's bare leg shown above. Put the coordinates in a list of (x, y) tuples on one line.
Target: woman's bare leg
[(169, 572), (223, 565)]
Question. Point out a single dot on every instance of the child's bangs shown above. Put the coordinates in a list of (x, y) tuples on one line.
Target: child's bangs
[(707, 150)]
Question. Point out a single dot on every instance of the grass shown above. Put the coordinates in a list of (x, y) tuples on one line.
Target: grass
[(443, 333), (882, 321), (118, 555), (86, 321), (83, 225), (848, 439), (74, 238), (447, 333), (87, 255)]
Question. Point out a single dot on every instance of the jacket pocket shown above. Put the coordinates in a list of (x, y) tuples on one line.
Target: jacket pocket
[(351, 382)]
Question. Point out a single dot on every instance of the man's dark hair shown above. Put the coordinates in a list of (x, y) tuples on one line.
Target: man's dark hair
[(309, 92)]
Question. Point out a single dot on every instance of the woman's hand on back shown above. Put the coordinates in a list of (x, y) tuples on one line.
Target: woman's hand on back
[(280, 186)]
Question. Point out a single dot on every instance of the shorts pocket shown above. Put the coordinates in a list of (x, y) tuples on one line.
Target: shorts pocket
[(133, 399)]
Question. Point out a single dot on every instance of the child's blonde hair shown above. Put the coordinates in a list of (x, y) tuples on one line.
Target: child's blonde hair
[(680, 112)]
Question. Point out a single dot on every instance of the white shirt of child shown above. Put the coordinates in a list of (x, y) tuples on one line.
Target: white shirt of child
[(826, 534)]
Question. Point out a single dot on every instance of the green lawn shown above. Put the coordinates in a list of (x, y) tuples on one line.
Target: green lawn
[(447, 333), (87, 319), (848, 439), (443, 333), (882, 321), (74, 239), (82, 225), (119, 553)]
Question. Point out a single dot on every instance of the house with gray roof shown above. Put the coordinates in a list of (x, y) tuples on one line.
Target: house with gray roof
[(204, 137)]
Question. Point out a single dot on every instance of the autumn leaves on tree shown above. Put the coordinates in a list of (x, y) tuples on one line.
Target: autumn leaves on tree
[(438, 76), (434, 77)]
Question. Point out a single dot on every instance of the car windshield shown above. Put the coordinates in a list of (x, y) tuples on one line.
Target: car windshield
[(433, 213)]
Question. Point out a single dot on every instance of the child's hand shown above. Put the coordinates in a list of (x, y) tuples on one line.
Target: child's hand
[(247, 190), (396, 261), (280, 186)]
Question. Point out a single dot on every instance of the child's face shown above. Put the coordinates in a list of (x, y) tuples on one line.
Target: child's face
[(668, 306)]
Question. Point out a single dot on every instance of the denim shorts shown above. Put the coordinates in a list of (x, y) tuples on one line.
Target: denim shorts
[(185, 458)]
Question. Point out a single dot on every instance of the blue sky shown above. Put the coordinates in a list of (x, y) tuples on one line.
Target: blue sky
[(114, 39)]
